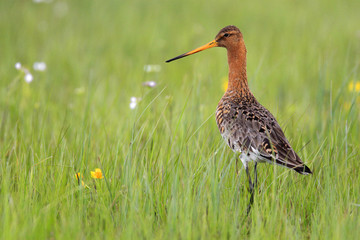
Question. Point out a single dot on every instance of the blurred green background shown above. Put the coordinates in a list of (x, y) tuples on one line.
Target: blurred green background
[(168, 173)]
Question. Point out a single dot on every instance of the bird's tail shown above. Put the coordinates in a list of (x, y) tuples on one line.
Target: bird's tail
[(303, 170)]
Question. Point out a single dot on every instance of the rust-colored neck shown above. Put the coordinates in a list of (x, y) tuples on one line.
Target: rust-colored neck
[(237, 68)]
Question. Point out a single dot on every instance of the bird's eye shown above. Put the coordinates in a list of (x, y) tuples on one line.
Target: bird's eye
[(226, 35)]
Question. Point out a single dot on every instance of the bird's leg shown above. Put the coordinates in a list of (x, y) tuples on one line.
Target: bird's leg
[(251, 190), (255, 175), (237, 169), (251, 185)]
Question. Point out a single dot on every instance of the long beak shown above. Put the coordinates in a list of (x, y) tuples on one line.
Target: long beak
[(206, 46)]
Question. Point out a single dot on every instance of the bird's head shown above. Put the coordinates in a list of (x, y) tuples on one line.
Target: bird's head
[(228, 37)]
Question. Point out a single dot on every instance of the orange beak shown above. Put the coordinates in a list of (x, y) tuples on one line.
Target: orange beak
[(199, 49)]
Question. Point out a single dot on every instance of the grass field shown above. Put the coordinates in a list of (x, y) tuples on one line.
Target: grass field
[(167, 172)]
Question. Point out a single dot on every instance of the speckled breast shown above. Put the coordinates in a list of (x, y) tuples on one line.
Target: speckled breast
[(227, 124)]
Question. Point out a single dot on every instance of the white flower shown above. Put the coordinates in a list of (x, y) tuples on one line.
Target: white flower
[(133, 105), (39, 66), (133, 102), (18, 65), (152, 68), (150, 84), (29, 77)]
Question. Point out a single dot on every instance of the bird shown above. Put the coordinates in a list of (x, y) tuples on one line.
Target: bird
[(248, 127)]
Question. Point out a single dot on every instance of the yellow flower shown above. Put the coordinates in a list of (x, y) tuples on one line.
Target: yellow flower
[(224, 83), (97, 174), (78, 176), (354, 86)]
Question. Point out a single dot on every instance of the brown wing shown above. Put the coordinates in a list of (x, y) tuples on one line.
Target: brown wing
[(251, 127)]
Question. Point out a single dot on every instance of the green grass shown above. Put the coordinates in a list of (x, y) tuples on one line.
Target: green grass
[(168, 174)]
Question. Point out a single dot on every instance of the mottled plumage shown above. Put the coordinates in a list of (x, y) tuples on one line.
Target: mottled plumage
[(249, 128)]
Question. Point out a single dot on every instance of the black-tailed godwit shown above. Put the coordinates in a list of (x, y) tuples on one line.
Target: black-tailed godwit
[(247, 126)]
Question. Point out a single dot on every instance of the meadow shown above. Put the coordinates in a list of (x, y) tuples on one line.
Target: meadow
[(166, 173)]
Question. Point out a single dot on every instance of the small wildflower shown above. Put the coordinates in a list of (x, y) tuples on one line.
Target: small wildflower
[(152, 68), (224, 83), (29, 77), (151, 84), (97, 174), (78, 176), (354, 86), (39, 66), (132, 105), (18, 66), (133, 102)]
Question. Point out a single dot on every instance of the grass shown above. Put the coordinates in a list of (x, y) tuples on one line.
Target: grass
[(168, 174)]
